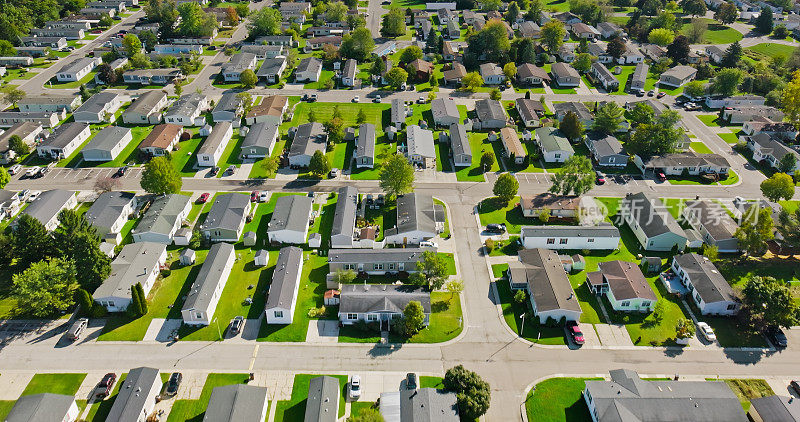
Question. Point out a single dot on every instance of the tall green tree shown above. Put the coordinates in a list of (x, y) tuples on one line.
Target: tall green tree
[(248, 78), (319, 164), (46, 288), (195, 22), (471, 81), (768, 301), (131, 44), (396, 77), (608, 118), (571, 126), (657, 138), (788, 226), (32, 242), (505, 187), (791, 100), (641, 113), (396, 176), (431, 271), (552, 35), (357, 45), (763, 22), (266, 21), (694, 7), (726, 82), (787, 164), (754, 232), (779, 186), (575, 177), (695, 89), (582, 62), (85, 301), (393, 24), (487, 160), (616, 47), (77, 240), (472, 392), (142, 299), (18, 146), (160, 177), (678, 51), (726, 13), (413, 318)]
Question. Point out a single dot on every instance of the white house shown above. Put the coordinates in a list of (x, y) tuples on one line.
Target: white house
[(107, 144), (380, 303), (210, 152), (289, 222), (418, 219), (201, 302), (44, 407), (136, 263), (282, 295), (652, 224), (186, 109), (137, 395), (99, 108), (110, 211), (162, 219), (602, 237), (64, 140), (232, 71), (48, 205), (541, 273), (624, 285), (77, 69), (492, 74), (710, 291)]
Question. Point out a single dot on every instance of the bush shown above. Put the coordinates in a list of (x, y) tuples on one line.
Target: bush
[(166, 272), (489, 245), (550, 322), (98, 311), (562, 322)]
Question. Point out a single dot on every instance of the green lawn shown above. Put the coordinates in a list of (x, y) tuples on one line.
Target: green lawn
[(747, 389), (716, 33), (5, 407), (557, 5), (70, 85), (730, 138), (558, 399), (191, 410), (66, 384), (710, 120), (512, 314), (627, 71), (22, 73), (294, 409), (129, 154), (230, 156), (325, 75), (479, 144), (185, 158), (492, 211), (700, 148), (772, 49)]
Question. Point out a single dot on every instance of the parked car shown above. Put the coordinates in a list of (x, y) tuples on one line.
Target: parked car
[(77, 329), (496, 228), (661, 94), (312, 98), (203, 198), (795, 386), (428, 244), (575, 333), (254, 196), (31, 171), (650, 93), (334, 172), (33, 195), (661, 177), (121, 171), (421, 100), (356, 99), (14, 169), (214, 171), (377, 99), (776, 336), (600, 179), (354, 387), (231, 169), (411, 381), (106, 385), (237, 324), (173, 384), (707, 331), (263, 196)]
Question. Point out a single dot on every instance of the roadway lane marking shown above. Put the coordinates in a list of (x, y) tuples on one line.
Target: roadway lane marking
[(253, 358)]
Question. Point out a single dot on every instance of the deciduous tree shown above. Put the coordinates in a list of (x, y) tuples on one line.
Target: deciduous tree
[(505, 187), (131, 44), (694, 7), (487, 160), (396, 77), (768, 301), (264, 22), (472, 392), (32, 242), (575, 177), (431, 271), (754, 232), (413, 318), (160, 177), (396, 176), (319, 164), (46, 288), (571, 126), (552, 34), (779, 186), (393, 24), (4, 177), (248, 78), (726, 13), (471, 81), (357, 45), (726, 82), (661, 36), (678, 51)]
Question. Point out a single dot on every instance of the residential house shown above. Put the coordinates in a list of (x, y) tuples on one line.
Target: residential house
[(626, 396), (623, 285), (51, 104), (27, 131), (560, 207), (541, 273), (107, 144), (162, 219), (271, 110), (530, 111), (75, 70), (676, 164), (317, 43), (271, 69), (380, 303), (178, 49), (282, 40), (364, 153), (604, 77), (228, 109), (743, 114), (421, 70), (512, 147), (532, 75), (68, 33), (707, 287), (566, 53), (446, 15), (349, 72), (606, 150), (715, 53), (420, 148), (530, 29), (232, 71), (454, 75), (713, 223), (492, 74), (424, 404), (375, 261), (237, 403), (210, 151), (631, 55), (47, 120), (308, 139), (44, 407), (282, 293), (767, 149), (419, 218), (99, 108), (774, 409), (602, 237), (460, 149), (110, 211), (452, 30), (137, 263), (48, 205), (259, 141), (308, 70), (784, 131), (203, 297), (289, 222), (137, 395), (718, 101), (344, 218), (565, 75), (639, 77), (151, 76), (445, 112), (652, 224), (187, 110), (322, 404), (226, 219), (161, 140), (146, 110), (677, 76), (584, 31), (54, 43), (579, 109), (64, 140), (554, 145), (609, 30), (449, 51), (10, 203), (20, 61), (264, 51), (398, 113), (491, 114)]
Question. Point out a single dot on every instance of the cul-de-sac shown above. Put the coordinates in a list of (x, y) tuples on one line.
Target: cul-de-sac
[(399, 210)]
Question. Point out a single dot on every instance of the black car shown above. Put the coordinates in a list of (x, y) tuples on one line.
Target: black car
[(795, 386), (173, 384), (777, 337), (600, 179), (496, 228), (121, 171), (106, 384), (236, 325), (411, 381)]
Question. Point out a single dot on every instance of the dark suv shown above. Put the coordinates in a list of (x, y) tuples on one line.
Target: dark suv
[(106, 384), (496, 228), (776, 336), (173, 384)]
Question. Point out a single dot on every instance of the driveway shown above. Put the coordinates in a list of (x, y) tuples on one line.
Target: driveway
[(323, 331), (612, 335)]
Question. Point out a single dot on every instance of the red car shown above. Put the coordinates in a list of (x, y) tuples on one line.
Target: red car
[(661, 177), (254, 196), (575, 333), (203, 198), (106, 384)]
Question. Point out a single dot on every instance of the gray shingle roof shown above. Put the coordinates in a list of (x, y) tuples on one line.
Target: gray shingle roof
[(44, 407), (97, 102), (146, 102), (323, 400), (428, 405), (64, 134), (444, 107), (227, 212), (261, 135), (291, 213), (235, 403), (489, 110), (551, 139), (239, 62), (130, 401), (107, 138), (607, 145), (580, 109), (547, 281), (416, 211), (126, 269), (162, 215), (603, 230), (186, 104), (459, 140), (651, 214), (563, 70), (713, 217), (365, 143), (359, 298), (209, 277), (216, 138), (706, 279), (22, 129), (776, 408), (397, 111), (308, 138), (640, 72), (528, 70), (77, 64), (686, 159), (48, 204), (419, 141), (230, 101), (108, 208), (271, 66), (345, 215), (529, 109), (626, 280), (284, 278), (348, 256), (309, 64)]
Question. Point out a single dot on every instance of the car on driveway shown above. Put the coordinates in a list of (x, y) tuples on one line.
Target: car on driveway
[(411, 381), (661, 177), (356, 99), (650, 93), (33, 195), (334, 173), (574, 332), (496, 228), (173, 384), (254, 196), (661, 94), (236, 325), (377, 99), (106, 384), (795, 386), (706, 331), (203, 198), (77, 329), (600, 179), (231, 169), (777, 337), (14, 169), (354, 387), (262, 197)]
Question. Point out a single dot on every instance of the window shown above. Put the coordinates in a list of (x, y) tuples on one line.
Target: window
[(378, 266), (646, 304), (278, 314), (372, 317), (198, 315), (731, 307), (590, 240), (558, 155), (612, 159), (349, 266), (551, 241), (391, 266), (562, 241), (352, 316), (625, 304)]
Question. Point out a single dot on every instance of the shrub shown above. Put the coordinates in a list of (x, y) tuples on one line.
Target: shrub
[(489, 245), (166, 272), (562, 322), (550, 322), (98, 311)]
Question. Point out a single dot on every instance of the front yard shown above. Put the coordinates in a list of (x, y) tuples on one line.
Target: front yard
[(294, 409), (558, 399), (189, 410)]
